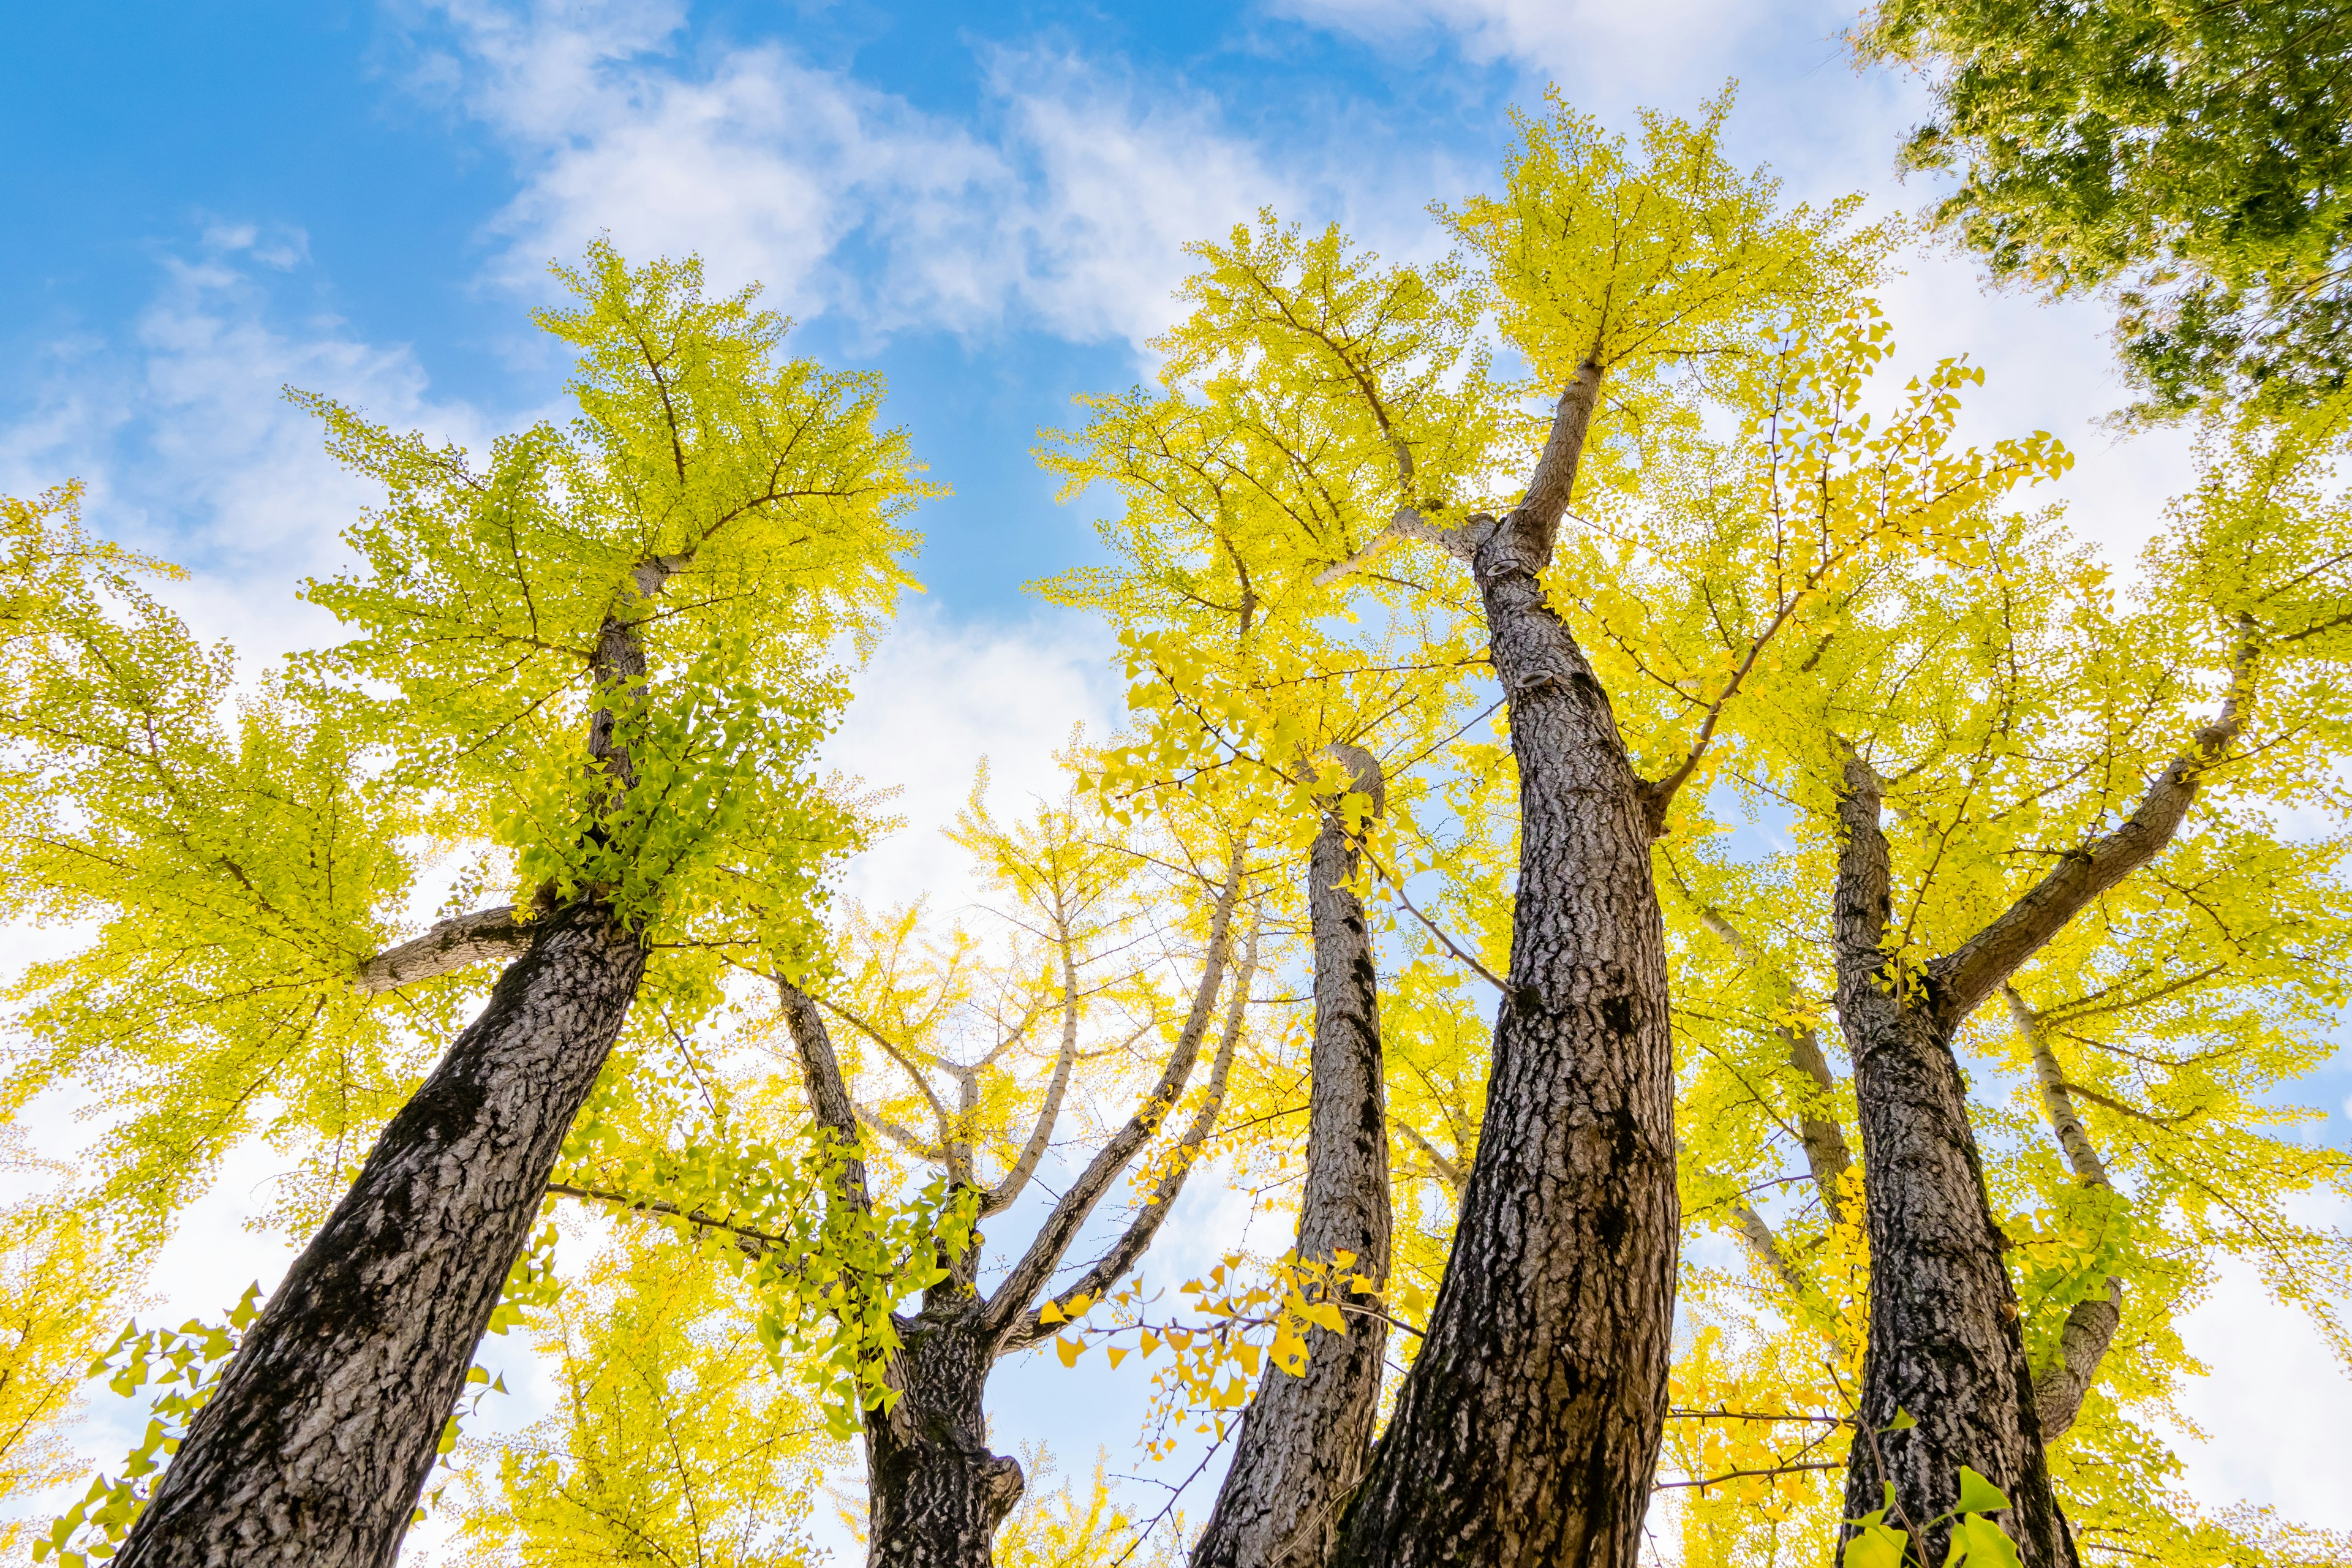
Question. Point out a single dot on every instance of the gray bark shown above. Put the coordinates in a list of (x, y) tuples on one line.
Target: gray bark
[(2091, 1323), (1304, 1441), (320, 1437), (457, 943), (1945, 1341), (1528, 1430)]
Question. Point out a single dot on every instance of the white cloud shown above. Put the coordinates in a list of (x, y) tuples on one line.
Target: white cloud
[(1669, 46), (2275, 1403), (933, 701), (191, 452), (1064, 203)]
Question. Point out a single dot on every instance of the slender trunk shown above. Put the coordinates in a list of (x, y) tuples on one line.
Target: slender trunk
[(936, 1494), (1945, 1343), (323, 1431), (2090, 1324), (1305, 1439), (1528, 1430)]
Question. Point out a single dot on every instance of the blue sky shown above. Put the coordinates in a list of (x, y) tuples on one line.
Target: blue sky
[(206, 202)]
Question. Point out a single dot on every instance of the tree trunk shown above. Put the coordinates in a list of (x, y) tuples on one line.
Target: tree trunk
[(322, 1432), (936, 1493), (1305, 1439), (1528, 1430), (1945, 1343)]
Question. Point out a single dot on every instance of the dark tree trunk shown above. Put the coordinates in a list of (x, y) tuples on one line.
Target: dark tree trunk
[(936, 1493), (323, 1431), (1305, 1439), (1945, 1343), (1528, 1430)]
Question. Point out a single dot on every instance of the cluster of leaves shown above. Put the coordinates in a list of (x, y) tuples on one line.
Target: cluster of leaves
[(2190, 158), (184, 1367), (1239, 1324)]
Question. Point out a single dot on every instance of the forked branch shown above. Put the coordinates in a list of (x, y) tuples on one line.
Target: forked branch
[(1052, 1240), (1136, 1240)]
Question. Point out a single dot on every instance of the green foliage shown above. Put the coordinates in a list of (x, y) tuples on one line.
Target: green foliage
[(2190, 159)]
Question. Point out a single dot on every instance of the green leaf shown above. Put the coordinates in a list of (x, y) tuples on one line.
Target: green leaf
[(1978, 1495), (1876, 1546), (1978, 1542)]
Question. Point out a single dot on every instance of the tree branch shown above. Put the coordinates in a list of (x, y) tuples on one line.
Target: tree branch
[(1448, 1170), (828, 1096), (1972, 973), (2089, 1326), (1000, 1197), (1137, 1238), (1061, 1227), (1535, 522), (753, 1244), (458, 943)]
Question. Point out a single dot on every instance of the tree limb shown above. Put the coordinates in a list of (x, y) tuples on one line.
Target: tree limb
[(1965, 977), (1450, 1171), (753, 1244), (459, 942), (2089, 1326), (828, 1096), (1000, 1197), (1061, 1227), (1137, 1238)]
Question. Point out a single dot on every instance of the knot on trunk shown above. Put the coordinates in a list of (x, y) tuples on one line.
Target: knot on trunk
[(1001, 1486)]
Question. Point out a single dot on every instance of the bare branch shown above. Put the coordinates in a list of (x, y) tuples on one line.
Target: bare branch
[(1137, 1238), (828, 1096), (1965, 977), (1000, 1197), (1061, 1227), (458, 943)]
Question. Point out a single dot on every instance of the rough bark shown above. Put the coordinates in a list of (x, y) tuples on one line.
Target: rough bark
[(323, 1431), (1945, 1343), (1304, 1441), (935, 1493), (2091, 1323), (457, 943), (1528, 1429)]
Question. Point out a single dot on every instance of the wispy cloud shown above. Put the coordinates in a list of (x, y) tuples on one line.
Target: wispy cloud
[(1062, 205)]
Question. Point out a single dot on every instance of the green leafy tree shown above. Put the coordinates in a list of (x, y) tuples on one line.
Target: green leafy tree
[(2189, 159), (595, 660)]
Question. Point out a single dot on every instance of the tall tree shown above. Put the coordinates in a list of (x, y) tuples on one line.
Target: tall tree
[(1607, 269), (2038, 747), (2191, 161), (603, 652)]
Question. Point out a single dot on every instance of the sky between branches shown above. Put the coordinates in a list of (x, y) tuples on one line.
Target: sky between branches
[(985, 202)]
